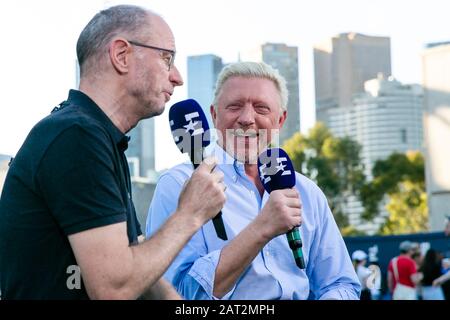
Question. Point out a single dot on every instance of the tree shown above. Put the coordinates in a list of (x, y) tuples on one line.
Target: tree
[(401, 179), (333, 163), (408, 211)]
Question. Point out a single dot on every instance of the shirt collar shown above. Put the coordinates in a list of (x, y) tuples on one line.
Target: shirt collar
[(89, 107), (227, 162)]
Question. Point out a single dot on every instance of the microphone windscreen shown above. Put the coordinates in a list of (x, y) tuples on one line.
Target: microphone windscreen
[(189, 126), (276, 170)]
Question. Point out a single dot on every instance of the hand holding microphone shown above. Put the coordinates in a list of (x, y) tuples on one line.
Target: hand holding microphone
[(283, 209), (203, 194), (190, 131), (281, 213)]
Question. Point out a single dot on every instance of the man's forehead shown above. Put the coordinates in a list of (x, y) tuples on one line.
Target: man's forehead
[(233, 87), (239, 78), (160, 30)]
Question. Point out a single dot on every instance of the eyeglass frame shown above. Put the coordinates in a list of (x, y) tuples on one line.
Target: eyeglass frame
[(172, 52)]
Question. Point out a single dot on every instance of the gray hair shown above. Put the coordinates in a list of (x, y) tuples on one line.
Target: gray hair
[(104, 26), (253, 70)]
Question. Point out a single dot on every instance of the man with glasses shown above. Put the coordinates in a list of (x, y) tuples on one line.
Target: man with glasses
[(167, 55), (68, 227)]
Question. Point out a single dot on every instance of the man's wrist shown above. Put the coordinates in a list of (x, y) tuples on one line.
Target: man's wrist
[(258, 231), (188, 219)]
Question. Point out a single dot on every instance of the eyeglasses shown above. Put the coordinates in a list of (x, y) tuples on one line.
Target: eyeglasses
[(167, 55)]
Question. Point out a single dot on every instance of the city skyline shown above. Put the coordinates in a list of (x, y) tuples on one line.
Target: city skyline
[(384, 119), (342, 64), (40, 65)]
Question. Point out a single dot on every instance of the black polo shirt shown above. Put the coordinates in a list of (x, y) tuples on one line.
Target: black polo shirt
[(70, 175)]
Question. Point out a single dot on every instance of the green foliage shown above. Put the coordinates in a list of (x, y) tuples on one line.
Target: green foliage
[(387, 176), (400, 177), (333, 163), (408, 210)]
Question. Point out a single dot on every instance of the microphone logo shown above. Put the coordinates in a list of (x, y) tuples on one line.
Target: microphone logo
[(281, 166), (265, 176), (262, 170), (191, 129), (192, 125)]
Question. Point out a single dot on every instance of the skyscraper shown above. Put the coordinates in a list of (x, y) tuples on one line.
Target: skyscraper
[(202, 76), (284, 58), (387, 118), (342, 64), (436, 82)]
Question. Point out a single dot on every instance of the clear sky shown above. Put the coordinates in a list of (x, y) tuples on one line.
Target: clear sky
[(38, 46)]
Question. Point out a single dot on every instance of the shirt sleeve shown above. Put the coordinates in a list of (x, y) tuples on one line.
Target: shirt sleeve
[(78, 181), (330, 269), (192, 271)]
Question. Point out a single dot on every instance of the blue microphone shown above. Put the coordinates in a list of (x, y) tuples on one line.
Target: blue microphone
[(190, 131), (277, 172)]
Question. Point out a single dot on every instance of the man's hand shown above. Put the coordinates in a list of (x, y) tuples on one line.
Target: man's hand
[(281, 213), (203, 196), (112, 269)]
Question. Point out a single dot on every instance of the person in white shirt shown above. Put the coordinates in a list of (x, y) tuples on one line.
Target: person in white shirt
[(359, 258)]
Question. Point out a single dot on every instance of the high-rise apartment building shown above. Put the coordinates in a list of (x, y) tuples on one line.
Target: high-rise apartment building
[(285, 59), (436, 83), (387, 118), (342, 64), (202, 76)]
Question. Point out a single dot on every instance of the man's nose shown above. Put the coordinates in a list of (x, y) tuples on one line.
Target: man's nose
[(175, 76), (247, 116)]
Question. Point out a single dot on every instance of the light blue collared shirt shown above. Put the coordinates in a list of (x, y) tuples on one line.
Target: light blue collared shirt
[(273, 274)]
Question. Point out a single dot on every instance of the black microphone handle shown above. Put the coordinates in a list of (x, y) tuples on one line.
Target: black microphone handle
[(217, 220)]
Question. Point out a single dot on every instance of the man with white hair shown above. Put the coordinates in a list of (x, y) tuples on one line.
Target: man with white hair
[(256, 262)]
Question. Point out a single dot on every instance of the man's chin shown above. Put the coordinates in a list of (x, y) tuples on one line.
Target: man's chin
[(247, 156), (155, 113), (159, 111)]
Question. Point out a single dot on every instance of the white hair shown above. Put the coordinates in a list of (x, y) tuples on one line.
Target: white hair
[(253, 70)]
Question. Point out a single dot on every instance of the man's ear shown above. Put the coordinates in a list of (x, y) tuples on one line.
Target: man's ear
[(118, 55), (282, 119), (212, 110)]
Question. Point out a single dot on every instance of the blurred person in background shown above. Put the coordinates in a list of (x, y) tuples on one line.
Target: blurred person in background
[(359, 258), (431, 269), (443, 280), (402, 274), (416, 254)]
